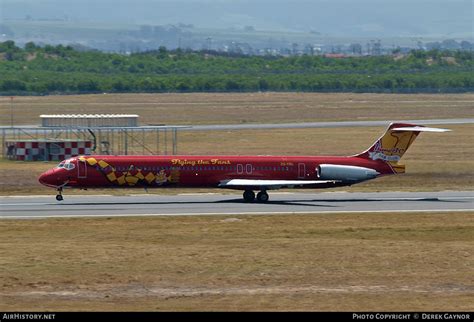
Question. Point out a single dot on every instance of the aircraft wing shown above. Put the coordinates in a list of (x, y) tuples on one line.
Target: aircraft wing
[(271, 184)]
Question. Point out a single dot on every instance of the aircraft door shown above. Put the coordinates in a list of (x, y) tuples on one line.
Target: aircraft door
[(248, 168), (301, 170), (81, 169)]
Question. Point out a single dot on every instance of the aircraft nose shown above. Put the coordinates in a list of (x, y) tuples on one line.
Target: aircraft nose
[(48, 178)]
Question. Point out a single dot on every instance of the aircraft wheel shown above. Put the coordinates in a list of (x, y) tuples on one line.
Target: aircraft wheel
[(59, 197), (262, 196), (249, 196)]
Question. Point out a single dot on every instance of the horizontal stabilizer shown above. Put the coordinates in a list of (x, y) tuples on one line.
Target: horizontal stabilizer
[(420, 129)]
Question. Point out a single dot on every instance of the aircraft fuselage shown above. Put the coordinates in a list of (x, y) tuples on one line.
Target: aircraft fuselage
[(192, 171)]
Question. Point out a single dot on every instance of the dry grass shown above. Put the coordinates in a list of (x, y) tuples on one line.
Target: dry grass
[(244, 108), (436, 161), (352, 262)]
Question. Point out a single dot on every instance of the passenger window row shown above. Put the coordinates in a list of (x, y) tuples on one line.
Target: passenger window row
[(199, 168)]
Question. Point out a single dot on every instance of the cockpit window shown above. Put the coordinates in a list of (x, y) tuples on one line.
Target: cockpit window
[(69, 166), (66, 165)]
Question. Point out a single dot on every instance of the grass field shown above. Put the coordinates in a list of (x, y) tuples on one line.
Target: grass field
[(352, 262), (209, 108)]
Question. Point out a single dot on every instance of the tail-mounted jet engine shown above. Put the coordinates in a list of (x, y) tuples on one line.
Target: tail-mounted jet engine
[(345, 172)]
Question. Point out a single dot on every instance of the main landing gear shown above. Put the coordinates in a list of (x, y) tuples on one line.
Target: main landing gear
[(262, 196), (249, 196), (59, 196)]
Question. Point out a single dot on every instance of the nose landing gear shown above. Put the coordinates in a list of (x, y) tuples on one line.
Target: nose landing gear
[(59, 196)]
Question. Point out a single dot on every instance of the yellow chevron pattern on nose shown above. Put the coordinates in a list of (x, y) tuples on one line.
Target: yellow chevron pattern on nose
[(111, 176), (150, 177), (91, 161), (103, 164), (123, 178)]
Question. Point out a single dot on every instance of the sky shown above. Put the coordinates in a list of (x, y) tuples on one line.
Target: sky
[(371, 18)]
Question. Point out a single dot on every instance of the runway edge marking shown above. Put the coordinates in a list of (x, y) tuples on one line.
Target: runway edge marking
[(240, 214)]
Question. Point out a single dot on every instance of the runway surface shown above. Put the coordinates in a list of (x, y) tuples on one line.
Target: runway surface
[(32, 129), (36, 207)]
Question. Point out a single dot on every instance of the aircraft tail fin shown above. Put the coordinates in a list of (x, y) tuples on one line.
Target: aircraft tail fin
[(393, 144)]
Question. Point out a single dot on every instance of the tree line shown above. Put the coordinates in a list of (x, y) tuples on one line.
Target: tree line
[(35, 70)]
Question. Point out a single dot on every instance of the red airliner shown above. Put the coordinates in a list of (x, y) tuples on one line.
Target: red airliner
[(247, 173)]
